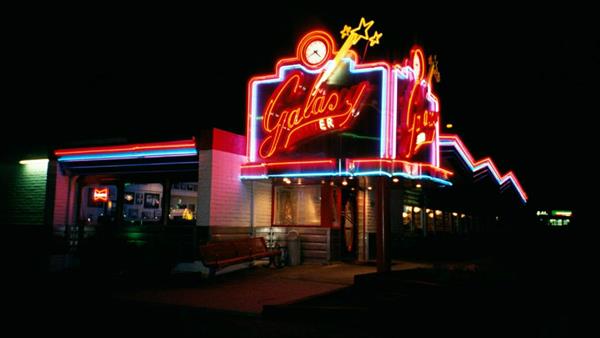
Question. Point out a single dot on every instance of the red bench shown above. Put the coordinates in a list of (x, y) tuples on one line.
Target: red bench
[(217, 255)]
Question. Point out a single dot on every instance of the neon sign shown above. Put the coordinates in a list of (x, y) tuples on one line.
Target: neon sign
[(418, 106), (292, 114), (129, 151), (100, 195), (324, 113)]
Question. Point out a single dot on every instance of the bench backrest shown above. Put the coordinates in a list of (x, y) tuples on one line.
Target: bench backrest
[(216, 251)]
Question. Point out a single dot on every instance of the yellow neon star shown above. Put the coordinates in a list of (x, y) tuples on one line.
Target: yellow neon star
[(374, 40), (346, 31), (357, 31)]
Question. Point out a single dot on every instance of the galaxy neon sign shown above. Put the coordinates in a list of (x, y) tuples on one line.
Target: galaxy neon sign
[(384, 117), (293, 113)]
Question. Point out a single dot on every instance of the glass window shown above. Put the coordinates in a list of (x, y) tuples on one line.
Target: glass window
[(298, 205), (98, 204), (142, 203), (184, 196)]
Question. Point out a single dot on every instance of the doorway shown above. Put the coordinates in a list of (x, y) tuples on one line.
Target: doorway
[(349, 230)]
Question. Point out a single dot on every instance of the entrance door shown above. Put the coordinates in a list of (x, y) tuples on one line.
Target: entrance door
[(349, 227)]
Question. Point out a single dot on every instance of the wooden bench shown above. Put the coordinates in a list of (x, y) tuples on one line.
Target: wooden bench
[(217, 255)]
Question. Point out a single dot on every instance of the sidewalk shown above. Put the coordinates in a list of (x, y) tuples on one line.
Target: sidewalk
[(248, 291)]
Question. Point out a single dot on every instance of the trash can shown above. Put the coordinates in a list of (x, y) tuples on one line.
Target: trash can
[(293, 246)]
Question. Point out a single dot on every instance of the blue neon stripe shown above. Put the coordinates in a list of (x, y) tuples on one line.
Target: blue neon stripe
[(481, 166), (130, 155)]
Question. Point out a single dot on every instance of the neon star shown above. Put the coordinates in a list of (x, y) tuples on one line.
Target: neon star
[(362, 25), (374, 40), (346, 31)]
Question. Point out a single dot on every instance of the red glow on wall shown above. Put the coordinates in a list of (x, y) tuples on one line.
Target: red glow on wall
[(293, 114), (100, 195)]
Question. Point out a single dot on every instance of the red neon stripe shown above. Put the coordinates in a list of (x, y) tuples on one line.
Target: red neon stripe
[(272, 164), (127, 148), (503, 178)]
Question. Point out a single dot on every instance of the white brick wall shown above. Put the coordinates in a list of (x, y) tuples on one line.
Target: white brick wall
[(204, 186), (223, 198), (230, 198)]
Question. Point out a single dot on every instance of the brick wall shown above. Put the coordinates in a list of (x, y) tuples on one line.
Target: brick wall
[(23, 193), (230, 196), (204, 186), (64, 201), (224, 200)]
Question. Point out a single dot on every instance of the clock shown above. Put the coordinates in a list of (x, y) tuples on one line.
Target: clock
[(315, 52), (315, 49)]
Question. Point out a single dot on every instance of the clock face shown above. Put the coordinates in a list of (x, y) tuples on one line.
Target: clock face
[(315, 49), (316, 52)]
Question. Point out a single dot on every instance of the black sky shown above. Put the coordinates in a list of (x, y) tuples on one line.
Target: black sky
[(518, 85)]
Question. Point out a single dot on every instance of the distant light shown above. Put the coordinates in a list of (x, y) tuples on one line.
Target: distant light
[(299, 181), (418, 185), (287, 180), (566, 213), (369, 188), (395, 179), (42, 161), (455, 214), (344, 183), (449, 125)]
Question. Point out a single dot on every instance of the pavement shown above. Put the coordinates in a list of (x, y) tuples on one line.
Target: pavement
[(250, 290)]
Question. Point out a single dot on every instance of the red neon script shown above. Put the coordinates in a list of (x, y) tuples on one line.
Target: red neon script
[(292, 114)]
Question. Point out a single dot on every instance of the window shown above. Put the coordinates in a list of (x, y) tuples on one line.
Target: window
[(98, 204), (184, 197), (142, 203), (298, 205)]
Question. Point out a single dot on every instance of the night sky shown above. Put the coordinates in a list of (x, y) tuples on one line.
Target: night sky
[(517, 85)]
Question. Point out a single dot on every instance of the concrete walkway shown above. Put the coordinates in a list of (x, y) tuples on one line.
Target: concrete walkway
[(247, 291)]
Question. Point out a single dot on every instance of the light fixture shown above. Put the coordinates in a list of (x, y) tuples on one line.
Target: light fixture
[(449, 125), (395, 179), (418, 185), (36, 165), (369, 188), (287, 180), (344, 182), (455, 214), (299, 181)]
